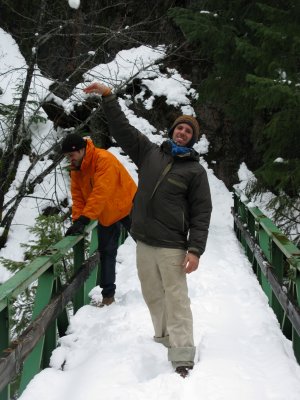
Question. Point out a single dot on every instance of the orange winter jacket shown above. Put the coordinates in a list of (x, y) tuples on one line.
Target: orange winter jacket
[(102, 189)]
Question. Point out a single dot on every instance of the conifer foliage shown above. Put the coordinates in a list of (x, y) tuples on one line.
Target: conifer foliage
[(47, 231), (251, 52)]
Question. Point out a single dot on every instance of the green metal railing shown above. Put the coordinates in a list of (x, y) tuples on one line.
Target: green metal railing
[(276, 262), (28, 354)]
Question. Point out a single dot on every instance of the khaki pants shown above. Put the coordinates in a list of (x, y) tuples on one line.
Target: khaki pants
[(165, 291)]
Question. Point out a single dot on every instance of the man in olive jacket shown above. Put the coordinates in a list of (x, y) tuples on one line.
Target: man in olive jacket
[(170, 220)]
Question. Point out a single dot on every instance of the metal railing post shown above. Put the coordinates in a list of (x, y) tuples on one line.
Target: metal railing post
[(4, 344), (91, 282), (34, 346), (276, 262), (33, 362), (78, 260)]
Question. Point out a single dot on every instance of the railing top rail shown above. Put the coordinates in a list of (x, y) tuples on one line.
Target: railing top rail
[(18, 282), (289, 249)]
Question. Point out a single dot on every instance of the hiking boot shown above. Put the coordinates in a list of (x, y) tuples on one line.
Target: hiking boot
[(183, 370), (106, 301)]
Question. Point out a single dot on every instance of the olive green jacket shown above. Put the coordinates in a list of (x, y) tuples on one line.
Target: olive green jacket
[(172, 206)]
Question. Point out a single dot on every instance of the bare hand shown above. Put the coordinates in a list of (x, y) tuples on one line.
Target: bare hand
[(190, 263), (98, 88)]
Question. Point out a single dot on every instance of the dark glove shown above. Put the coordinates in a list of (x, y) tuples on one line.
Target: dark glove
[(77, 228)]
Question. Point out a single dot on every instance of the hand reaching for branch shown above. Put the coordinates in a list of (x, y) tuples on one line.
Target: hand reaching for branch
[(98, 88)]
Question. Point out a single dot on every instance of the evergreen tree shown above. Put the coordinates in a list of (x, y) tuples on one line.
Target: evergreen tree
[(47, 231), (251, 53)]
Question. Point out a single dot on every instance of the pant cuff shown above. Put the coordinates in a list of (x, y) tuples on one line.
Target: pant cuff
[(189, 364), (162, 340), (182, 355)]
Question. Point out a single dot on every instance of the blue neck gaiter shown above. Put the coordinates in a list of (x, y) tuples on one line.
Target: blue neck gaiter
[(177, 150)]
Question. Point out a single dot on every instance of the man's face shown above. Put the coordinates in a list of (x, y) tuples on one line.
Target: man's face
[(75, 158), (182, 134)]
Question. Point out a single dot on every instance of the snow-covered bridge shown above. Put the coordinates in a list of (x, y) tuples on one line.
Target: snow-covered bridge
[(241, 352), (110, 353)]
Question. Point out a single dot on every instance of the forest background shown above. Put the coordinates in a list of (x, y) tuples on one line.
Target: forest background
[(242, 57)]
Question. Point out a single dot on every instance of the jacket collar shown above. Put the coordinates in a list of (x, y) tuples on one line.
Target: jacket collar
[(89, 152)]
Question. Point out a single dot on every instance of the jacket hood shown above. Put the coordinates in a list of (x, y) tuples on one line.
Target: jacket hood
[(89, 151)]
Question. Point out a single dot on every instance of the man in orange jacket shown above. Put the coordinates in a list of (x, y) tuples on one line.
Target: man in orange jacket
[(102, 190)]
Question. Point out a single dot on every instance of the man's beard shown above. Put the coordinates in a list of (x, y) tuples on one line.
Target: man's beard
[(75, 167)]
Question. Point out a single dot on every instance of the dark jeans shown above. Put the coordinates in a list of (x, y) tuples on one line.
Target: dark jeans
[(108, 240)]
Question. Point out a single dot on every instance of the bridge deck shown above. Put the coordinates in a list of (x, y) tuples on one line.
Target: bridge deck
[(241, 352)]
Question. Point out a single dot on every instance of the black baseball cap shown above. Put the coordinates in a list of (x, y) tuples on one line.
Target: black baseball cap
[(72, 142)]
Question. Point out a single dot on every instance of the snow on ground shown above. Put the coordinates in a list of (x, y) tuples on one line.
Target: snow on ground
[(13, 71), (241, 353), (109, 353)]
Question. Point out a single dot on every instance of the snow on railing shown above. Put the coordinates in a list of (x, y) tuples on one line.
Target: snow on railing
[(276, 262)]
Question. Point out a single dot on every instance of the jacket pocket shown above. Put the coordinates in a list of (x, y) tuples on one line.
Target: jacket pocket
[(177, 183)]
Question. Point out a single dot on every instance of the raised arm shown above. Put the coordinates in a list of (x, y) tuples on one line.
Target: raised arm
[(132, 141)]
